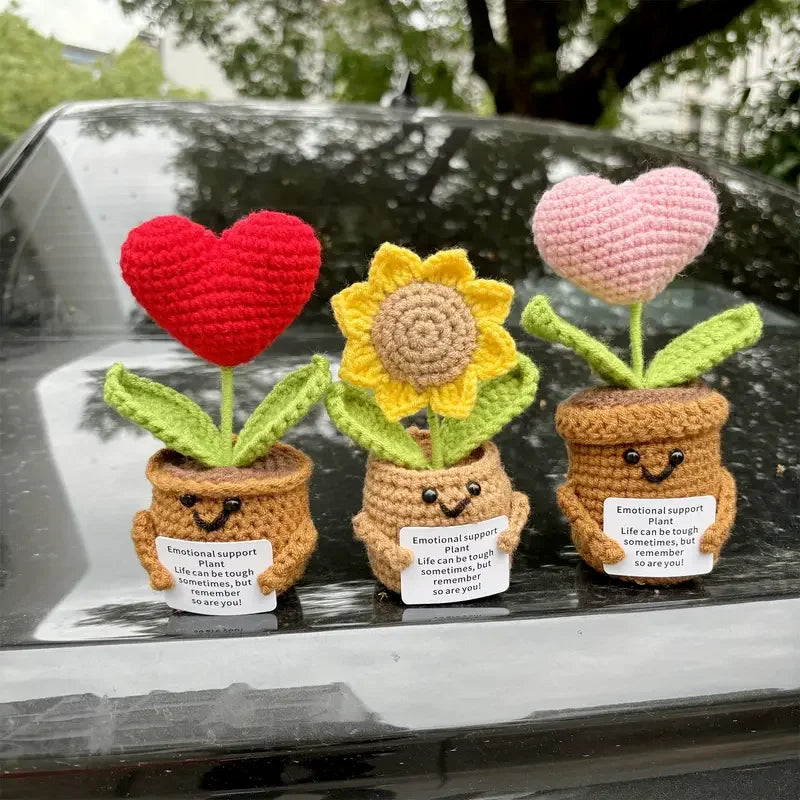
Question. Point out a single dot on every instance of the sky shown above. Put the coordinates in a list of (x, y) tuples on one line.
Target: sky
[(96, 24)]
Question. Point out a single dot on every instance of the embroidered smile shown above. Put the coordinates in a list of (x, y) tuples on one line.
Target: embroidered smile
[(675, 460), (662, 476), (215, 524), (229, 506), (452, 513), (430, 495)]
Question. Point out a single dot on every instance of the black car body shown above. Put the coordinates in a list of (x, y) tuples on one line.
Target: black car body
[(569, 685)]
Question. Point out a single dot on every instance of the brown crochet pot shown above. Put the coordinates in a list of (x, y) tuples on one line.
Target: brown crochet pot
[(600, 424), (273, 495), (393, 500)]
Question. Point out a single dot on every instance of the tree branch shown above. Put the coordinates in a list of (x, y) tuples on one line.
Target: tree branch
[(485, 48), (536, 25), (648, 33)]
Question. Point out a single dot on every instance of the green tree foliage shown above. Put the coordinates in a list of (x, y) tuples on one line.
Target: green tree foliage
[(36, 76), (349, 51), (771, 121), (758, 124), (555, 59), (778, 151)]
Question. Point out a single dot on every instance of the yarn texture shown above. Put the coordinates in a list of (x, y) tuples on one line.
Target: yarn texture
[(225, 298), (499, 401), (428, 334), (274, 505), (393, 500), (356, 414), (169, 415), (600, 424), (540, 320), (183, 426), (288, 402), (704, 346), (625, 243), (685, 358), (424, 333)]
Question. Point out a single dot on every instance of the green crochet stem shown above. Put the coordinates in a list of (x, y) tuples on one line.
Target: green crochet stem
[(684, 359), (435, 428), (637, 341), (226, 414)]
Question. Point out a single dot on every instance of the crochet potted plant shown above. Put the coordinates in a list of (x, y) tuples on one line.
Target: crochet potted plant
[(226, 298), (646, 495), (428, 335)]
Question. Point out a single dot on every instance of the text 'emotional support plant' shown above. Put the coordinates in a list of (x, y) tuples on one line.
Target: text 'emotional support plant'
[(226, 298), (642, 438), (428, 335)]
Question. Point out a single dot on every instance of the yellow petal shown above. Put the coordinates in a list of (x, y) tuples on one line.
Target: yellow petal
[(397, 399), (361, 365), (496, 352), (457, 398), (393, 267), (449, 267), (489, 300), (355, 307)]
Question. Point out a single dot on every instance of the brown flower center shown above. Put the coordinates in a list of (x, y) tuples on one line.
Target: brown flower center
[(424, 334)]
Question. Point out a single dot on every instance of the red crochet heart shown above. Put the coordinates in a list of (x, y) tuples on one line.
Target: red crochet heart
[(226, 298)]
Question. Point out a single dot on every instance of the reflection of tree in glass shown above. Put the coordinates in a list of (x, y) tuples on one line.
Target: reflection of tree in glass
[(136, 618), (361, 180), (433, 184), (272, 776), (156, 617)]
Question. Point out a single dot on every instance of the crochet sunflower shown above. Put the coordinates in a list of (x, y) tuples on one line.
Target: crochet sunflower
[(427, 334)]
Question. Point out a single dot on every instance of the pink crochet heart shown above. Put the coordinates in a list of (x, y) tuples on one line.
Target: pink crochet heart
[(625, 243)]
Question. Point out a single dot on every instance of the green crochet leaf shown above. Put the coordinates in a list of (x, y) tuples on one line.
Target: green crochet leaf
[(704, 346), (283, 407), (356, 414), (540, 320), (499, 401), (170, 416)]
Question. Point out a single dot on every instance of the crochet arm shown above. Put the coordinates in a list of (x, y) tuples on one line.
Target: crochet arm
[(587, 533), (290, 563), (717, 534), (144, 541), (508, 541), (396, 557)]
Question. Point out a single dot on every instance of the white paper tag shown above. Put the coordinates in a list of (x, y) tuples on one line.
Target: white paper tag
[(660, 537), (454, 563), (216, 577)]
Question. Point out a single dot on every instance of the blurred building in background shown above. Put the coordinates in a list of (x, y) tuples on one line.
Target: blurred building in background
[(704, 116), (190, 66), (82, 56), (732, 116)]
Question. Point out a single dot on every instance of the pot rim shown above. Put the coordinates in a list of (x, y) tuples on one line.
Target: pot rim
[(640, 415), (487, 455), (165, 472)]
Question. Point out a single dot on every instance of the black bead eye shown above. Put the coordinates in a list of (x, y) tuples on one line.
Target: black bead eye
[(232, 504), (474, 488), (429, 495), (631, 456), (676, 457), (188, 500)]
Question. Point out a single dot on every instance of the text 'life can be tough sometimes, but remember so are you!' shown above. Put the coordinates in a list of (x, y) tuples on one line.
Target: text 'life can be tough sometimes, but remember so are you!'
[(660, 537), (216, 577), (454, 563)]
